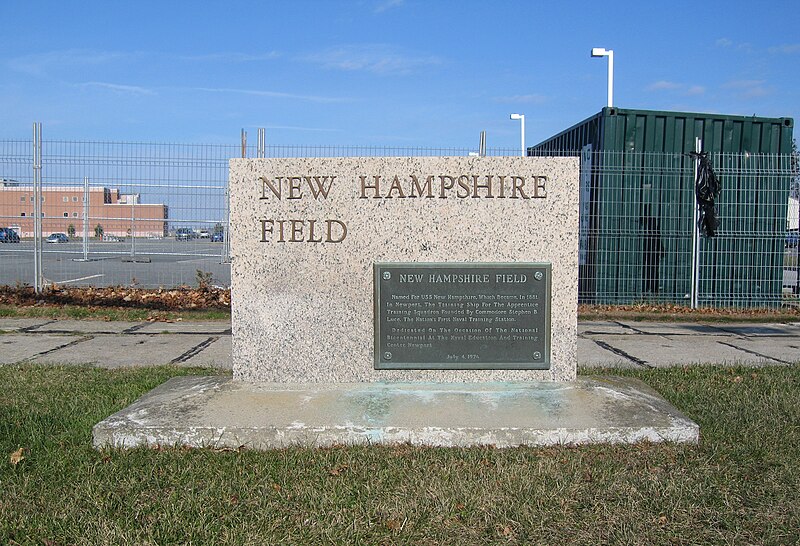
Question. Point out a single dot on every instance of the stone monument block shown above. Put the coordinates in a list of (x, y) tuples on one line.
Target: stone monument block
[(442, 269), (380, 300)]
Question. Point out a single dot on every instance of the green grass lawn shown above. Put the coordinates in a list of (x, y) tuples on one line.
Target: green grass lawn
[(741, 485)]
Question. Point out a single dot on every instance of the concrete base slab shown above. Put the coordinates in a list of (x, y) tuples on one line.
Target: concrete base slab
[(765, 348), (216, 354), (125, 351), (21, 347), (222, 412), (201, 328), (15, 324), (665, 351), (594, 355), (76, 327)]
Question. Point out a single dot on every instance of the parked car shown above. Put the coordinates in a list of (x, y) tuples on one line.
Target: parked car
[(204, 234), (184, 234), (792, 239), (111, 238), (217, 237), (58, 238), (8, 235)]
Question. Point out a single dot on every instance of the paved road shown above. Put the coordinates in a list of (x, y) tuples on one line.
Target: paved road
[(600, 344)]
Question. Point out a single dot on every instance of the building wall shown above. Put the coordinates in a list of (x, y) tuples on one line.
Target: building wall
[(64, 206)]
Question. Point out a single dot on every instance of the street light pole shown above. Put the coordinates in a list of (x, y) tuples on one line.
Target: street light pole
[(602, 52), (521, 118)]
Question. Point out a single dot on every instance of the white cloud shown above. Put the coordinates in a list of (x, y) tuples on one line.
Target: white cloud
[(386, 5), (522, 99), (271, 94), (232, 57), (295, 128), (38, 64), (742, 84), (676, 87), (724, 42), (118, 88), (748, 89), (787, 49), (662, 85), (376, 58)]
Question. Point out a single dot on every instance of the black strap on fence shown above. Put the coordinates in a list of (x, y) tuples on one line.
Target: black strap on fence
[(706, 190)]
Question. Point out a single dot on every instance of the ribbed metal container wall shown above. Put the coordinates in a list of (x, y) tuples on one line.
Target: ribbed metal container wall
[(640, 174)]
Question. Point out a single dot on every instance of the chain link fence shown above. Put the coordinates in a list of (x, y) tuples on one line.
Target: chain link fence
[(156, 215)]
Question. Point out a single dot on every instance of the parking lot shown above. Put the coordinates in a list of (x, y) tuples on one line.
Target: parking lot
[(149, 263), (154, 263)]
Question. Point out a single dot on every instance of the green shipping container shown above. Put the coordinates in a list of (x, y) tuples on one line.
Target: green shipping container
[(638, 203)]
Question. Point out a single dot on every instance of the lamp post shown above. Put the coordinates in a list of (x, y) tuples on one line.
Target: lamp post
[(521, 118), (602, 52)]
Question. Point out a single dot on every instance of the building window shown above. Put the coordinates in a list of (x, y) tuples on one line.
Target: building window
[(74, 214), (65, 199), (66, 215), (22, 214), (74, 198), (31, 199), (22, 199)]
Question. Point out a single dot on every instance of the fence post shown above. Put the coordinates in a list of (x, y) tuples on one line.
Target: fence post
[(698, 147), (85, 218), (261, 152), (37, 208)]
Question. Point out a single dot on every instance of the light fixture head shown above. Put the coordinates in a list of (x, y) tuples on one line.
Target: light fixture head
[(600, 52), (516, 116)]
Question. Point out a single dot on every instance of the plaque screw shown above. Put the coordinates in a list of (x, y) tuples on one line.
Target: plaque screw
[(538, 275), (387, 275), (537, 355), (387, 355)]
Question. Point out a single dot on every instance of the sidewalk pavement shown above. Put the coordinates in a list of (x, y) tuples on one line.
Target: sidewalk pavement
[(615, 344)]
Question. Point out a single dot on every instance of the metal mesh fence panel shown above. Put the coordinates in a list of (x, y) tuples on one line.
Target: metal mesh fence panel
[(16, 253), (155, 215), (638, 231)]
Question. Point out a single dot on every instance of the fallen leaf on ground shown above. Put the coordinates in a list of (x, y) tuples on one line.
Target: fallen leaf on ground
[(17, 456)]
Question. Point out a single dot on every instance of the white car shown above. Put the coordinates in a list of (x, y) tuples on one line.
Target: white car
[(204, 234)]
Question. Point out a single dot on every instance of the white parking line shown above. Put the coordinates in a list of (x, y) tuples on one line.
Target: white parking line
[(81, 279)]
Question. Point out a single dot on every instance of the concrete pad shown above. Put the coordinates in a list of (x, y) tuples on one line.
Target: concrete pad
[(18, 347), (221, 412), (782, 350), (592, 355), (773, 330), (15, 325), (84, 327), (664, 351), (215, 354), (673, 328), (591, 328), (208, 328), (124, 351)]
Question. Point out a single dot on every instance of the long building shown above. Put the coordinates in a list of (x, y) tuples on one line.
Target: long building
[(109, 211)]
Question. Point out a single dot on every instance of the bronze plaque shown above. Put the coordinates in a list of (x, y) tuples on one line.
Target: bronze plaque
[(462, 316)]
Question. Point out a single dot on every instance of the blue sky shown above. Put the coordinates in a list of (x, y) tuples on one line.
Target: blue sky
[(381, 72)]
